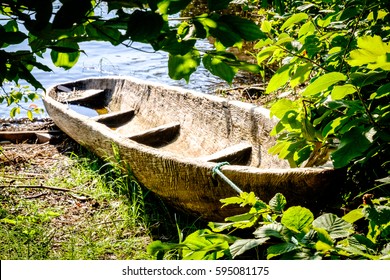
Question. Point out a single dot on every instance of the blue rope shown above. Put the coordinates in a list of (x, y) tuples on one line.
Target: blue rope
[(217, 170)]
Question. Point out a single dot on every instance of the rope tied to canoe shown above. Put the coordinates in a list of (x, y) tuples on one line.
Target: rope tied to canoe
[(217, 170)]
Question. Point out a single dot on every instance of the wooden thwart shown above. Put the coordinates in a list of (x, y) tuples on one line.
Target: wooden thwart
[(237, 154), (89, 97), (158, 136), (115, 119)]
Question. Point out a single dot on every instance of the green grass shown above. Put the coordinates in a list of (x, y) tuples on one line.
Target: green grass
[(107, 215)]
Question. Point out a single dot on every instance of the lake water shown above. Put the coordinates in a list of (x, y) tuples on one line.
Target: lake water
[(103, 59)]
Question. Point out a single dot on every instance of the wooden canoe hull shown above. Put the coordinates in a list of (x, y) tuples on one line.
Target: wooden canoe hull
[(177, 171)]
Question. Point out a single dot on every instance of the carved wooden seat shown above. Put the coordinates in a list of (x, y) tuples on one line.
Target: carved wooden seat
[(157, 136), (238, 154), (115, 119)]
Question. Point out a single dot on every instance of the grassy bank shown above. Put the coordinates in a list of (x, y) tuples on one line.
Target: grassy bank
[(64, 203)]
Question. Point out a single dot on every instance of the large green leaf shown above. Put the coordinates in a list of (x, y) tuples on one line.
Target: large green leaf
[(372, 51), (62, 54), (295, 18), (323, 235), (144, 26), (242, 245), (339, 92), (225, 34), (281, 107), (361, 79), (323, 83), (353, 144), (217, 65), (171, 44), (182, 66), (280, 78), (335, 226), (278, 202), (353, 215), (272, 230), (98, 30), (247, 29), (279, 249), (301, 75), (204, 245), (297, 219), (158, 248), (379, 214)]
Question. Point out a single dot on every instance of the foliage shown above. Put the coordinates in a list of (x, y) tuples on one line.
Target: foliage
[(19, 94), (60, 28), (292, 233), (332, 62)]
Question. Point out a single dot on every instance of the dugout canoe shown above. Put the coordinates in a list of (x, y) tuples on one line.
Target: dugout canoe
[(172, 138)]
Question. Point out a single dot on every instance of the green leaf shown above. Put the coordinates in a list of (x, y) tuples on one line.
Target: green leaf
[(278, 202), (335, 125), (301, 75), (295, 18), (323, 246), (30, 115), (335, 226), (353, 144), (306, 29), (280, 78), (144, 26), (224, 34), (272, 230), (363, 79), (218, 66), (279, 249), (14, 111), (265, 53), (246, 217), (297, 219), (219, 227), (13, 38), (266, 26), (102, 31), (339, 92), (64, 57), (281, 107), (242, 245), (372, 51), (353, 215), (324, 236), (247, 29), (323, 83), (204, 245), (383, 91), (379, 214), (182, 66), (158, 248), (232, 200)]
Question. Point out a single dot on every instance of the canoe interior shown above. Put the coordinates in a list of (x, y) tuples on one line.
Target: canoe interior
[(172, 139), (182, 122)]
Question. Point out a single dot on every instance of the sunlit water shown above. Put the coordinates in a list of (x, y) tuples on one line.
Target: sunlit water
[(103, 59)]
